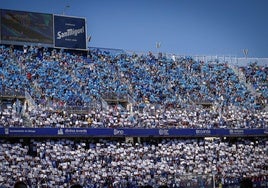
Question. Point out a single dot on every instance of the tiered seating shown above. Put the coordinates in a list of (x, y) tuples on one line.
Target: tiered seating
[(174, 163), (195, 117), (10, 116), (258, 77), (164, 91)]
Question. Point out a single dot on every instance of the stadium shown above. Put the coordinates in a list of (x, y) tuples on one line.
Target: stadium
[(78, 116)]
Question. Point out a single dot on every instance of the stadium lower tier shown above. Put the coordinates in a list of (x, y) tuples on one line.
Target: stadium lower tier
[(116, 162)]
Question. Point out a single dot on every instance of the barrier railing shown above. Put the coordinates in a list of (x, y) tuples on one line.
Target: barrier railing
[(12, 92), (240, 61)]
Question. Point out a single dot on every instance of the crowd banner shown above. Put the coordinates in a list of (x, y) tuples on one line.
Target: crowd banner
[(129, 132), (70, 32)]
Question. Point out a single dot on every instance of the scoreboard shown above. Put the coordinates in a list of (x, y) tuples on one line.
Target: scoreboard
[(21, 27)]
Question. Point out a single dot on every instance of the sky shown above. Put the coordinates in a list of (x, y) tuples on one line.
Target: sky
[(182, 27)]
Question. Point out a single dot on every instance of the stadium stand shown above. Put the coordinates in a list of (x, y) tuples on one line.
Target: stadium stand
[(143, 91), (53, 88), (73, 116)]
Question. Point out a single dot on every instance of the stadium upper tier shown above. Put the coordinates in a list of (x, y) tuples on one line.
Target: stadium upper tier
[(158, 91)]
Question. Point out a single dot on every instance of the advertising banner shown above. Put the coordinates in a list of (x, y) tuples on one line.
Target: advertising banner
[(125, 132), (26, 27), (70, 32)]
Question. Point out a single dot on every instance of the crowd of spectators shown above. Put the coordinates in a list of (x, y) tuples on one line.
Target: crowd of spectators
[(257, 76), (194, 117), (9, 117), (108, 163), (116, 117), (163, 91)]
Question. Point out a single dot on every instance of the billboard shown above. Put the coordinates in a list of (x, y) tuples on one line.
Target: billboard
[(127, 132), (19, 27), (70, 32)]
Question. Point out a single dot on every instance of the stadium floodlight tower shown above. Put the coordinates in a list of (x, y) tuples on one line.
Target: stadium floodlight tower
[(245, 51), (65, 9), (158, 45)]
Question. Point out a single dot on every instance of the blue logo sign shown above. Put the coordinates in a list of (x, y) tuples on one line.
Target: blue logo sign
[(70, 32)]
